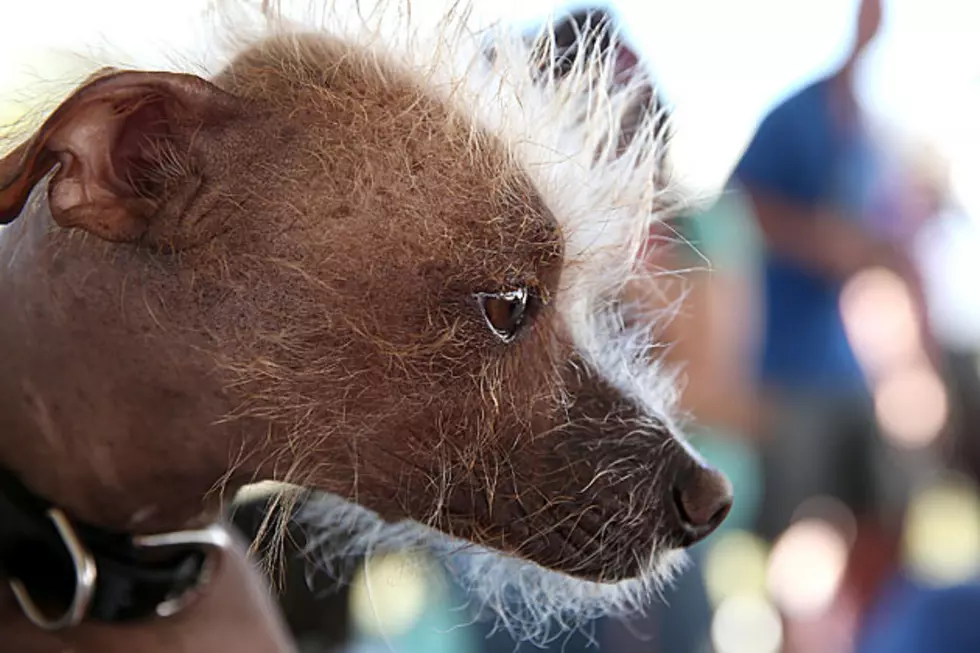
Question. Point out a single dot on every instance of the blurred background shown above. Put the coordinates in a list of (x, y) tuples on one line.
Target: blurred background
[(830, 326)]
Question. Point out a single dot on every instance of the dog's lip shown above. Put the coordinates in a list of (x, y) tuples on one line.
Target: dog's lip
[(608, 576), (577, 579), (657, 558)]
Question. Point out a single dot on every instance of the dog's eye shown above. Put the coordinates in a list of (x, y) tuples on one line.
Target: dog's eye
[(504, 312)]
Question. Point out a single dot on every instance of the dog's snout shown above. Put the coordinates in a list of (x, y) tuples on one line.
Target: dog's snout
[(703, 498)]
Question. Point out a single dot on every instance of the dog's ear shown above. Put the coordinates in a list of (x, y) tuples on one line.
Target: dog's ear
[(115, 138)]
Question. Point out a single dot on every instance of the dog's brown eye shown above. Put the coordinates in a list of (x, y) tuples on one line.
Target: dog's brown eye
[(504, 312)]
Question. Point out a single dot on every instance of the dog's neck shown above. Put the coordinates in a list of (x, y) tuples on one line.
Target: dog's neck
[(128, 504), (131, 468)]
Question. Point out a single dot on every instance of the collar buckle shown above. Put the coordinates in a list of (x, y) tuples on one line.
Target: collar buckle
[(86, 574), (214, 537)]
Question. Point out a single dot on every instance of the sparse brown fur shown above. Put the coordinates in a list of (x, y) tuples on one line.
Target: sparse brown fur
[(296, 301)]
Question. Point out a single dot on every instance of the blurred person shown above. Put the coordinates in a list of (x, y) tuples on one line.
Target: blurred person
[(812, 174), (809, 174)]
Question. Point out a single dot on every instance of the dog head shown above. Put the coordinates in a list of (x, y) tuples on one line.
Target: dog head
[(388, 269)]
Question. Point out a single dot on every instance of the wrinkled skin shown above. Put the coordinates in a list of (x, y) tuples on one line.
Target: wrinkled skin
[(274, 274)]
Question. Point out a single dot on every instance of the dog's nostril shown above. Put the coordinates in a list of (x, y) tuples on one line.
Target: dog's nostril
[(703, 498)]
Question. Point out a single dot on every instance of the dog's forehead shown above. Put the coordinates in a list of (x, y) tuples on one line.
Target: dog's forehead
[(352, 124), (555, 136)]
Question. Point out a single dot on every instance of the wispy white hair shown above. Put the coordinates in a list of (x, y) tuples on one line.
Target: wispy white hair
[(527, 601)]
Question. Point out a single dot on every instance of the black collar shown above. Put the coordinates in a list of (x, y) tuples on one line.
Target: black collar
[(77, 572)]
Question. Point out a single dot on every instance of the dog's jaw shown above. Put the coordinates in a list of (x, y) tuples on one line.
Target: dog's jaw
[(530, 602)]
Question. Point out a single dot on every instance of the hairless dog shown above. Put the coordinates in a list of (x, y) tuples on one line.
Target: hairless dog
[(359, 256)]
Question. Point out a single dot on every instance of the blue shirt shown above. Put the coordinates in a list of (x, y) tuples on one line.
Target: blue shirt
[(909, 618), (803, 154)]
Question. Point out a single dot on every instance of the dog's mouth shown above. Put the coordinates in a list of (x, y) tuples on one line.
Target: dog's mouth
[(533, 601), (595, 539), (598, 511), (602, 510)]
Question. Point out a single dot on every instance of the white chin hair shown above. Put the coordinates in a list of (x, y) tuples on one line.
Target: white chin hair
[(530, 602)]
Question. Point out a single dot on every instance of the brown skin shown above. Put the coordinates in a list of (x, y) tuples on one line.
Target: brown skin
[(272, 275)]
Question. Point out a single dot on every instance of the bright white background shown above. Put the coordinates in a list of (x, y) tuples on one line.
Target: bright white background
[(722, 63)]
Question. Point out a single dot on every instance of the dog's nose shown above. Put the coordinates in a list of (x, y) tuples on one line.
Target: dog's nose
[(703, 498)]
